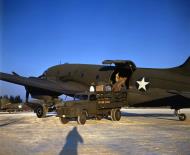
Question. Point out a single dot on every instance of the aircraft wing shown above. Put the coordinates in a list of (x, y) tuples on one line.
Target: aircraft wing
[(43, 84)]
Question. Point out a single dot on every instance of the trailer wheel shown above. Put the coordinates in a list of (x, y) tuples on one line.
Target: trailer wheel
[(63, 120), (81, 118), (115, 114)]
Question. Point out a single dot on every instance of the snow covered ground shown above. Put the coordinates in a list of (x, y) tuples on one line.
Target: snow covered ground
[(140, 131)]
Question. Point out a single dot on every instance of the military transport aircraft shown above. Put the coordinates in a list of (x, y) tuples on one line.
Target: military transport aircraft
[(146, 87)]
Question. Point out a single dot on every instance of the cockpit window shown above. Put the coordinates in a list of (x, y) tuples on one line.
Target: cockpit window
[(43, 76)]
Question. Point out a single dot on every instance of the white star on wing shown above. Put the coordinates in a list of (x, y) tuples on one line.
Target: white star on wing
[(142, 84)]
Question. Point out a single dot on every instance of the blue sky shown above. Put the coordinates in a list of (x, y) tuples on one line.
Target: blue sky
[(36, 34)]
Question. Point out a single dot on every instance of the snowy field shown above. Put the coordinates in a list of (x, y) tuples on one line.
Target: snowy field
[(140, 131)]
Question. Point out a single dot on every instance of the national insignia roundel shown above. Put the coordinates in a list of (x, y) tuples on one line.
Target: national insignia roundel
[(143, 84)]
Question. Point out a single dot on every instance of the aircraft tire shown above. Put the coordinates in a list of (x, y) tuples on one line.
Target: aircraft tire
[(182, 117), (41, 111), (81, 118), (63, 120)]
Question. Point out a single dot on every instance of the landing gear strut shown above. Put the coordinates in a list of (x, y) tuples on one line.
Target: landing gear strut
[(181, 116)]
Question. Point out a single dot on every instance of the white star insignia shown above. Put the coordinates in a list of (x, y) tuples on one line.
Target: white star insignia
[(142, 84)]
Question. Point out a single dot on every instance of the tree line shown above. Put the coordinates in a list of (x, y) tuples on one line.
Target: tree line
[(10, 99)]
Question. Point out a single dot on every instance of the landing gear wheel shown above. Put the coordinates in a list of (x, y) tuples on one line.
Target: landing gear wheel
[(41, 111), (81, 118), (115, 114), (182, 117), (63, 120)]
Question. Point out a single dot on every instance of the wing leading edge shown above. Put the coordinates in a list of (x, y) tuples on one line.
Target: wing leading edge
[(44, 84)]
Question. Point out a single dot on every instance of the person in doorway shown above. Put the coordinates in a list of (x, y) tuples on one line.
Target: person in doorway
[(120, 83)]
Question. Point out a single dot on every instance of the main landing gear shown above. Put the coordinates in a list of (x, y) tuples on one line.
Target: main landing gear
[(181, 116)]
